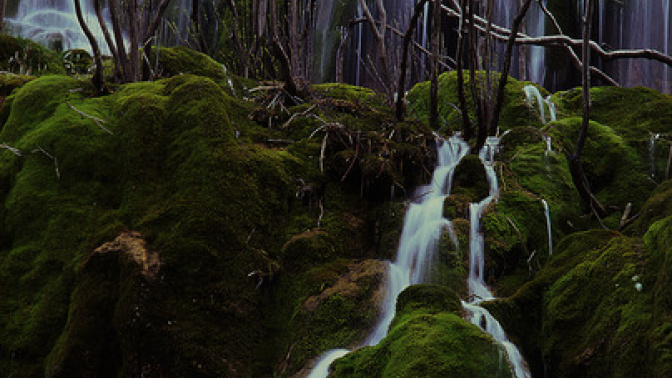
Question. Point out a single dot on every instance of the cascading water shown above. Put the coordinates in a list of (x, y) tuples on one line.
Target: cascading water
[(547, 213), (652, 154), (532, 95), (423, 225), (478, 290), (54, 23)]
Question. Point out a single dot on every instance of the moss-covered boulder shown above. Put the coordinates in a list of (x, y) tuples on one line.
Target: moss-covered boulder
[(428, 338), (155, 157), (333, 305), (25, 57), (516, 111), (614, 170), (470, 179)]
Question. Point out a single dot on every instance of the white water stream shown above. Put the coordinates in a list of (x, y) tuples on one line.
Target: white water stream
[(423, 225)]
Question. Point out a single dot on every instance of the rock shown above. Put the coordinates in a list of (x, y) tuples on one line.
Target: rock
[(133, 245)]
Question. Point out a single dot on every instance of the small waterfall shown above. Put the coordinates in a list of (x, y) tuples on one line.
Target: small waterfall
[(536, 25), (532, 94), (548, 226), (652, 154), (423, 225), (478, 290), (551, 109), (325, 39)]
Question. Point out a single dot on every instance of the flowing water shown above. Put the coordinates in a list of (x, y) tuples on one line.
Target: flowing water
[(54, 23), (478, 290), (547, 213), (423, 226)]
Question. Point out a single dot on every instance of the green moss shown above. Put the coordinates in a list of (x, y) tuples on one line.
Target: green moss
[(515, 111), (633, 113), (25, 57), (169, 169), (614, 170), (596, 318), (470, 179), (427, 339), (522, 314)]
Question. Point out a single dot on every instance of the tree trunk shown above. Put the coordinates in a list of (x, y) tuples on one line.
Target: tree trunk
[(3, 6), (434, 86), (98, 81), (400, 106), (575, 166), (499, 103), (467, 129)]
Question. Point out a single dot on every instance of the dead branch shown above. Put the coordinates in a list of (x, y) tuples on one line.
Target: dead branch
[(13, 150), (52, 157), (97, 120)]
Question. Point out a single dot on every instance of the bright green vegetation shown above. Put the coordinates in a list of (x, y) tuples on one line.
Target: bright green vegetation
[(427, 339), (271, 222)]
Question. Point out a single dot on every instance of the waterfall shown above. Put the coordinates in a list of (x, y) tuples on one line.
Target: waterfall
[(536, 25), (478, 290), (53, 23), (532, 94), (325, 39), (548, 226), (423, 225), (652, 154)]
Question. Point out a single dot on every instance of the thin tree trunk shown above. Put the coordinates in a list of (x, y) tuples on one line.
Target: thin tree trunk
[(434, 86), (400, 106), (499, 102), (467, 128), (3, 6), (108, 39), (575, 166), (119, 39), (98, 81)]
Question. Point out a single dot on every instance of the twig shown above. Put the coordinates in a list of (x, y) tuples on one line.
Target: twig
[(319, 218), (97, 120), (52, 157), (296, 115), (354, 159), (13, 150)]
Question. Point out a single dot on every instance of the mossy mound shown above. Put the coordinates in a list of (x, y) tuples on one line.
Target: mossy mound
[(633, 113), (179, 60), (515, 111), (522, 314), (77, 61), (169, 167), (657, 207), (25, 57), (598, 314), (427, 339), (10, 81), (470, 179), (614, 170)]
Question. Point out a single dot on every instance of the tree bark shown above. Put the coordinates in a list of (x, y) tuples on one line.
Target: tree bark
[(98, 81), (575, 166), (3, 7), (400, 106), (499, 102), (467, 129), (434, 86)]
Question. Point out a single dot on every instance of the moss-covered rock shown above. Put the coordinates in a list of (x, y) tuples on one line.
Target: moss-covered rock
[(515, 111), (25, 57), (168, 167), (614, 170), (429, 339), (470, 179)]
